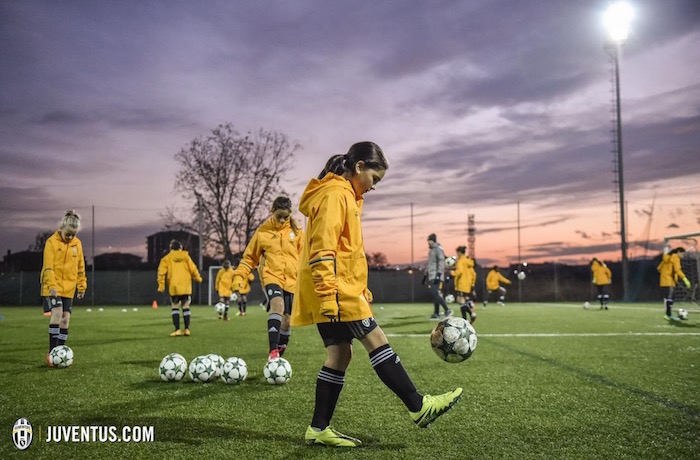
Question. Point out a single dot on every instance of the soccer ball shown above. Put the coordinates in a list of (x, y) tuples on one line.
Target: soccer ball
[(218, 362), (450, 261), (203, 369), (586, 305), (682, 314), (61, 356), (449, 298), (277, 371), (521, 275), (234, 370), (220, 308), (173, 367), (453, 339)]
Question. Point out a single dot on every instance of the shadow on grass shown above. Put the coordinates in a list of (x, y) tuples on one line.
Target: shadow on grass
[(602, 380), (683, 324)]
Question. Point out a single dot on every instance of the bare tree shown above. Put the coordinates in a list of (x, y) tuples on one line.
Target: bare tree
[(377, 260), (231, 179), (40, 241)]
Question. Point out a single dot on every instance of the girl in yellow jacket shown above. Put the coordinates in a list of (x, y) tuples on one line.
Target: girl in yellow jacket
[(224, 279), (178, 269), (63, 272), (465, 277), (602, 277), (279, 239), (243, 290), (494, 288), (669, 273), (332, 292)]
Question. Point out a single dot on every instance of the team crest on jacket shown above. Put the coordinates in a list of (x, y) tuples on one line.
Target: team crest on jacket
[(75, 251), (291, 236)]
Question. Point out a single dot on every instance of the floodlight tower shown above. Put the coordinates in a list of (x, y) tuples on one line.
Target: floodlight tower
[(617, 19)]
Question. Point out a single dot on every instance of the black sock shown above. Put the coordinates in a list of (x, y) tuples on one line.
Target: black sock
[(226, 311), (62, 336), (284, 340), (329, 384), (274, 322), (176, 318), (244, 306), (186, 317), (388, 367), (463, 309), (53, 336), (240, 307), (669, 307)]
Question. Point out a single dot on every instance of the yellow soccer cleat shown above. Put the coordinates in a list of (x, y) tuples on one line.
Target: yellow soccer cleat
[(176, 333), (187, 332), (435, 406), (330, 437)]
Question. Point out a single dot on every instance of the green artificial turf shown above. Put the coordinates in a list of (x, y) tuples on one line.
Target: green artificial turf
[(547, 381)]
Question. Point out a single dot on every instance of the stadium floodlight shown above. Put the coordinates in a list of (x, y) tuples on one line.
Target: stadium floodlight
[(617, 20)]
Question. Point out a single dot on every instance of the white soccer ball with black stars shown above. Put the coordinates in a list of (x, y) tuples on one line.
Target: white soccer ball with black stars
[(220, 308), (203, 369), (586, 305), (453, 339), (218, 362), (450, 261), (682, 313), (277, 371), (61, 356), (521, 275), (449, 298), (234, 370), (173, 367)]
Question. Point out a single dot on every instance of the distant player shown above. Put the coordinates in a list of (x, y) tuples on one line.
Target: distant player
[(602, 277), (333, 295), (465, 277), (279, 239), (178, 269), (63, 272), (494, 288), (224, 278), (243, 290), (669, 273), (435, 272)]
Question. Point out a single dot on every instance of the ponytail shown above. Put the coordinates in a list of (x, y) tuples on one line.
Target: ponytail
[(367, 152)]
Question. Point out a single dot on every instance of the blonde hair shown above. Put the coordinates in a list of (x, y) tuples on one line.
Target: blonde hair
[(71, 219)]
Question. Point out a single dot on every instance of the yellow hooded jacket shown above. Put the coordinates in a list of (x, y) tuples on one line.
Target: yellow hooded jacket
[(280, 245), (601, 273), (64, 267), (333, 268), (464, 273), (224, 279), (493, 280), (179, 269), (670, 270)]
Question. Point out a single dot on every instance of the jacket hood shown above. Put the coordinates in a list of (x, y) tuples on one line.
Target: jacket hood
[(314, 191), (178, 255)]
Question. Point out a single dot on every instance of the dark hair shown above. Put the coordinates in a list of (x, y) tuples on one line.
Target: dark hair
[(462, 249), (227, 263), (495, 267), (175, 244), (283, 202), (367, 152)]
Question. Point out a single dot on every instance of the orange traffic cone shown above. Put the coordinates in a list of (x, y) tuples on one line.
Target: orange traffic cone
[(155, 304)]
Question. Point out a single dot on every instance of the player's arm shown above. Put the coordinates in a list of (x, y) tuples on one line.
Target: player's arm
[(162, 271), (193, 270), (250, 259), (329, 220), (48, 276), (82, 278)]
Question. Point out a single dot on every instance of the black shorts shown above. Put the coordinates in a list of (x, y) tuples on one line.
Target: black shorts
[(466, 295), (48, 304), (274, 290), (668, 292), (337, 333), (176, 299)]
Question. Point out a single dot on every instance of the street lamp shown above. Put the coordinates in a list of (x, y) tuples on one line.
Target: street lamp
[(617, 19)]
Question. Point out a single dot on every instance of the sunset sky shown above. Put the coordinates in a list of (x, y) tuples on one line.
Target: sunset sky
[(478, 105)]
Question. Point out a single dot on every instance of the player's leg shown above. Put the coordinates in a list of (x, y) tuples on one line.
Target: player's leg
[(437, 298), (274, 318), (599, 288), (285, 328), (606, 296), (65, 321), (244, 304), (175, 312), (462, 301), (227, 302), (53, 305), (502, 296), (668, 300), (186, 313), (470, 308), (329, 383)]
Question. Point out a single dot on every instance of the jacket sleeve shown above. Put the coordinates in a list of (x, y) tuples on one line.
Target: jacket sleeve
[(48, 276), (193, 269), (440, 265), (162, 271), (218, 279), (82, 278), (677, 271), (249, 260), (503, 279), (329, 221)]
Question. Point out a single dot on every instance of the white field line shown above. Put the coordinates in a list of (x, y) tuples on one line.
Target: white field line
[(584, 334)]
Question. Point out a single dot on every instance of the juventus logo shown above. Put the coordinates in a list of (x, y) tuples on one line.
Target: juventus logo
[(22, 434)]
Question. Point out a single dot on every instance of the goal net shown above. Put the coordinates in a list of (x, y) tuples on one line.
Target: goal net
[(690, 264)]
